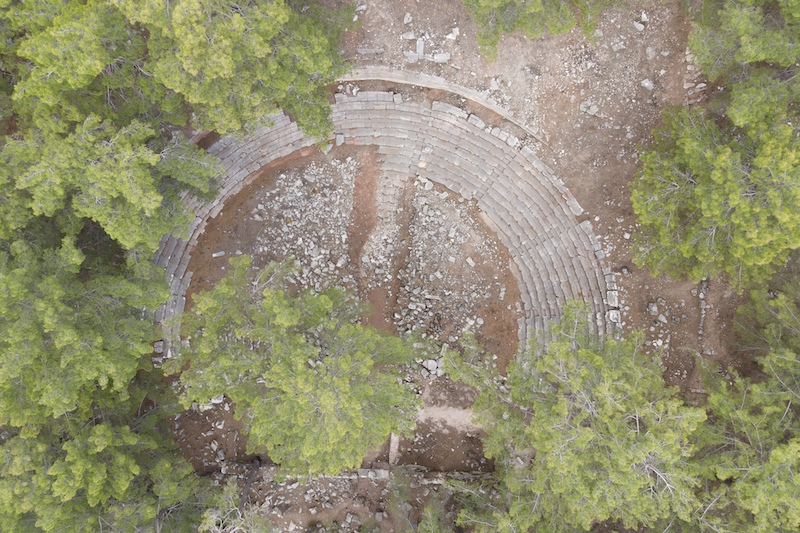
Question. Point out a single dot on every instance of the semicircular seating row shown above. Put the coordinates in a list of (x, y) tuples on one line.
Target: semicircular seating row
[(554, 257)]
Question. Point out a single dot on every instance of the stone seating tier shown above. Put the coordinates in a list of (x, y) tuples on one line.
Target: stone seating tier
[(554, 256)]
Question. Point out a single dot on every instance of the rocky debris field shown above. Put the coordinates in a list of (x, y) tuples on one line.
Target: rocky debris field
[(448, 274), (306, 216), (432, 261)]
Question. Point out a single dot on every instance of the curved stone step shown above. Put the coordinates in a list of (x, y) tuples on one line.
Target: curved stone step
[(554, 257)]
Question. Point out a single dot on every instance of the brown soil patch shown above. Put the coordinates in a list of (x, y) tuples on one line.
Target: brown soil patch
[(365, 204)]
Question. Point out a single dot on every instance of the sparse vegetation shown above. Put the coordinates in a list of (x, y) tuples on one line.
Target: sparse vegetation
[(399, 501), (434, 517), (533, 18)]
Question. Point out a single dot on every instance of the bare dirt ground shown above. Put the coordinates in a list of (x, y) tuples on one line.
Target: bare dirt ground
[(593, 103)]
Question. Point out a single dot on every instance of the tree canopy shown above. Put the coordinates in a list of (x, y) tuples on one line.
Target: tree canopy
[(582, 431), (719, 196), (116, 468), (314, 387), (211, 64), (712, 201), (97, 102), (719, 192), (496, 17), (748, 451)]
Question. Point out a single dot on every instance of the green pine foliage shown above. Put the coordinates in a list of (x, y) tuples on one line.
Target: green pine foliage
[(218, 66), (719, 192), (112, 176), (236, 63), (719, 196), (434, 517), (116, 470), (497, 17), (749, 452), (77, 450), (582, 431), (67, 341), (97, 99), (712, 201), (314, 387)]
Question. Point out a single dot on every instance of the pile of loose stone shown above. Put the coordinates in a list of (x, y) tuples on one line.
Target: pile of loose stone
[(437, 269), (693, 81), (338, 501), (432, 368), (319, 497), (420, 38), (441, 286), (662, 315), (306, 216)]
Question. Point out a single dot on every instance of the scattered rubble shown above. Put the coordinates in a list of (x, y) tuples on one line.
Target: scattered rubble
[(306, 216), (438, 296)]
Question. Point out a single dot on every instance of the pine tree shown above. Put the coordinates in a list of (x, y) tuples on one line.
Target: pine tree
[(713, 202), (314, 387), (117, 470), (720, 190), (747, 451), (96, 100), (497, 17), (582, 431)]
